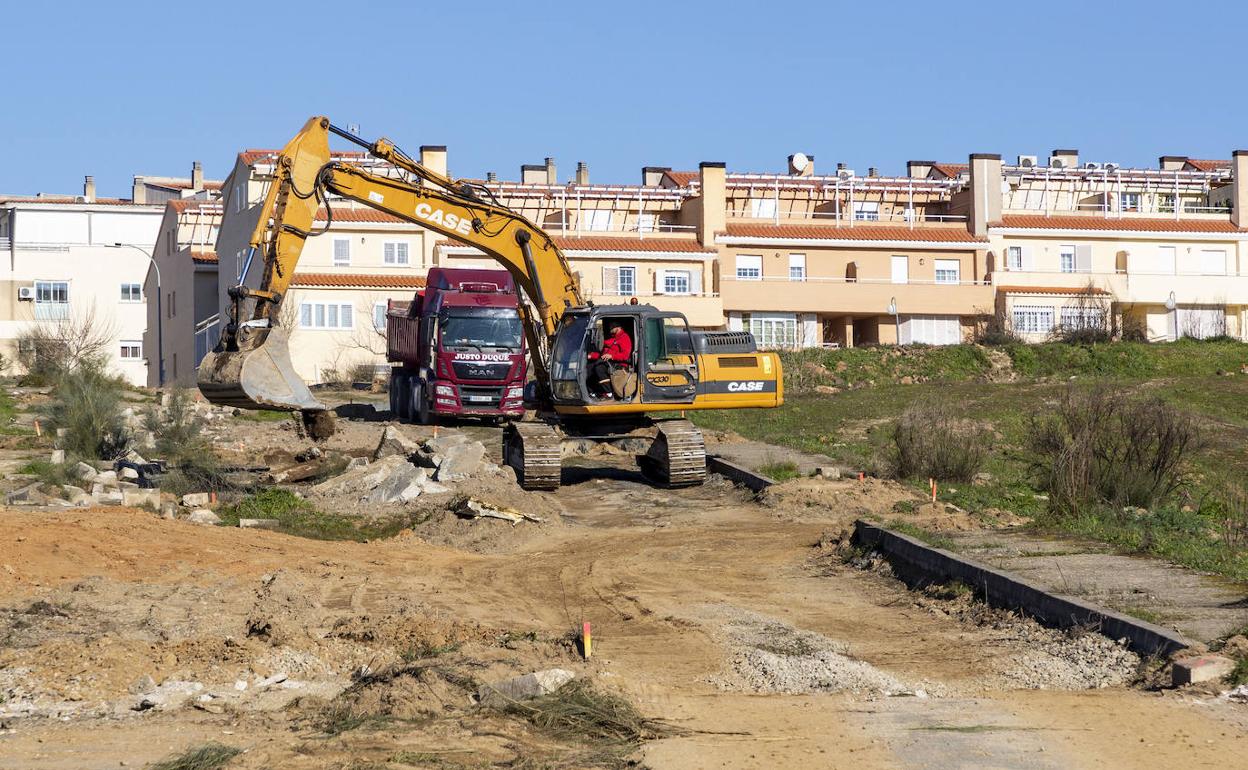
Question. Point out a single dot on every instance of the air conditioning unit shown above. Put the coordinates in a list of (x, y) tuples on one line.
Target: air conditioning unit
[(1056, 162), (26, 293), (1027, 161), (845, 173), (1091, 166), (1112, 166)]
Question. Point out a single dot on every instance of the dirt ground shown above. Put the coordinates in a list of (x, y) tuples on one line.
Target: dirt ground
[(127, 637)]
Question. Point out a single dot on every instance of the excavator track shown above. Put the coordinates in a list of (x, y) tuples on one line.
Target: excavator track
[(677, 457), (534, 450)]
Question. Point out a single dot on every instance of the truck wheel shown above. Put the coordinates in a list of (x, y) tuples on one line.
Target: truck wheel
[(403, 410), (420, 404)]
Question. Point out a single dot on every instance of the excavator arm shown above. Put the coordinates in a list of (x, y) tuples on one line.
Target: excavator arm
[(251, 366)]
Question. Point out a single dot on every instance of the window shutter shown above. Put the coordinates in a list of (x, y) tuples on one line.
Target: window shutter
[(660, 277), (610, 280), (401, 253), (388, 253), (1083, 258), (345, 320), (1028, 260), (695, 281), (305, 314)]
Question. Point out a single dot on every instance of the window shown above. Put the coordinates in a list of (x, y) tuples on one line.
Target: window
[(1165, 203), (131, 350), (797, 267), (240, 197), (1128, 201), (173, 304), (51, 300), (1212, 262), (1068, 259), (749, 267), (1084, 318), (762, 208), (379, 316), (948, 271), (1166, 260), (929, 330), (626, 281), (646, 223), (395, 253), (772, 330), (867, 211), (598, 220), (131, 292), (1014, 258), (676, 282), (1033, 319), (342, 252), (319, 315)]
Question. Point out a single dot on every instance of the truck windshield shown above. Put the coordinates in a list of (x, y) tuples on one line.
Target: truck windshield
[(482, 330)]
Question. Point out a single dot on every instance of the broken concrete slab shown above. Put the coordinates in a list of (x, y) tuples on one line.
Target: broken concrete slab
[(129, 473), (402, 485), (133, 498), (110, 497), (525, 687), (360, 481), (434, 488), (58, 457), (28, 494), (393, 442), (461, 461), (439, 445), (85, 472), (259, 523), (296, 473), (77, 495), (830, 472), (203, 516), (196, 499), (167, 696), (1201, 668), (107, 478), (357, 462)]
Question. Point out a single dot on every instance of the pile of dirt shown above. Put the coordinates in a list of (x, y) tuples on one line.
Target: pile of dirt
[(842, 501)]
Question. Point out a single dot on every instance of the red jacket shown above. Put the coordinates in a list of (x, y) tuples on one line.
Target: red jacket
[(619, 346)]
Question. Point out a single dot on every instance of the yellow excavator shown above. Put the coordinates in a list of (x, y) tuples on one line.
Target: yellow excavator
[(672, 368)]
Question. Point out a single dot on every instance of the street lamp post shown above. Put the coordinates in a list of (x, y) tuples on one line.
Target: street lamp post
[(892, 310), (160, 343)]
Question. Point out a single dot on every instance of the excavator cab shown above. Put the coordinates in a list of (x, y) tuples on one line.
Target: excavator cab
[(663, 368)]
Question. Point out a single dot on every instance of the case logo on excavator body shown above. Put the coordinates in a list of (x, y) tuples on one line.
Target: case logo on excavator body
[(745, 387), (448, 221)]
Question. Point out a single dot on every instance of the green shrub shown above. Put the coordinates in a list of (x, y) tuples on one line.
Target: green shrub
[(209, 756), (88, 405), (930, 441), (780, 470)]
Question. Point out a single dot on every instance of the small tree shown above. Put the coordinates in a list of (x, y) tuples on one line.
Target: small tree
[(994, 328), (50, 349), (88, 405), (1086, 319)]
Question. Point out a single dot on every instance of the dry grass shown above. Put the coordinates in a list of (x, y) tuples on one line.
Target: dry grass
[(933, 442), (209, 756)]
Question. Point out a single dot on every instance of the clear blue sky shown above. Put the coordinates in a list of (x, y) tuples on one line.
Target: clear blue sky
[(114, 89)]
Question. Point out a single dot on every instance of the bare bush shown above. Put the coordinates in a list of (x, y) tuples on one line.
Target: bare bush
[(1226, 503), (1087, 319), (995, 329), (363, 371), (1199, 326), (1105, 446), (88, 405), (932, 442), (49, 349)]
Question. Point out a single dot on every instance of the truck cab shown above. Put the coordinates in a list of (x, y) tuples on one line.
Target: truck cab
[(458, 348)]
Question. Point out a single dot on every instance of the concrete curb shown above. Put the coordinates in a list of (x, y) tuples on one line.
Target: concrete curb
[(755, 482), (918, 563)]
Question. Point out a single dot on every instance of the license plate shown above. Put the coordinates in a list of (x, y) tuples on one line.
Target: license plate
[(478, 398)]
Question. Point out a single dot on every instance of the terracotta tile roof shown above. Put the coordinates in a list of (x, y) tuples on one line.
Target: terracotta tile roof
[(1159, 225), (172, 183), (345, 214), (951, 170), (616, 243), (1209, 165), (62, 199), (1050, 290), (359, 281), (859, 232), (204, 257), (194, 204), (682, 178)]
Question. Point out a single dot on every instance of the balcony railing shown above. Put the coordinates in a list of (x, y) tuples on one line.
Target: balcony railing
[(904, 216), (844, 280), (51, 311), (658, 228), (207, 333)]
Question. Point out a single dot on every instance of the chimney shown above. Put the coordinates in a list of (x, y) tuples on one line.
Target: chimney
[(840, 166), (138, 193), (582, 173), (197, 177), (985, 191), (491, 176), (652, 176), (1069, 158), (433, 157), (1239, 188), (1172, 162), (551, 177), (531, 173), (713, 177), (88, 189), (806, 162), (919, 169), (872, 171)]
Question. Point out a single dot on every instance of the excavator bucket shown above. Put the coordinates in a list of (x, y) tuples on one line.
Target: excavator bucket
[(257, 377)]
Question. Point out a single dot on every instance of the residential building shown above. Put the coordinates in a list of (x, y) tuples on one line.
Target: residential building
[(1162, 250)]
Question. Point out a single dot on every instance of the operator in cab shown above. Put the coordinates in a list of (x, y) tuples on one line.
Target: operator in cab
[(617, 347)]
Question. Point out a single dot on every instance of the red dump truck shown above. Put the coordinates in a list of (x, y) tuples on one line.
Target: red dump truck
[(458, 348)]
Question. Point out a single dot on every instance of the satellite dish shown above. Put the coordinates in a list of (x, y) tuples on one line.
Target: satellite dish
[(800, 161)]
